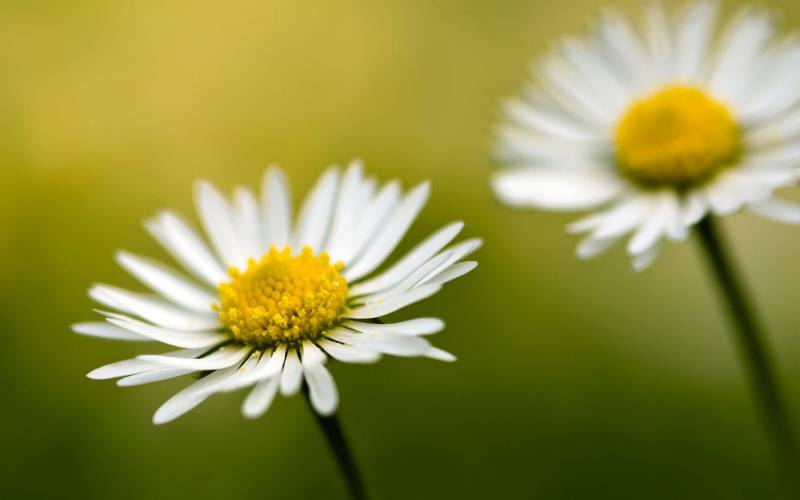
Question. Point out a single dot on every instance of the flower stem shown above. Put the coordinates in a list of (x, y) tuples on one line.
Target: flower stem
[(344, 458), (752, 349)]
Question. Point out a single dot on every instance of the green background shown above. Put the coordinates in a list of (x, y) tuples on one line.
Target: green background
[(575, 379)]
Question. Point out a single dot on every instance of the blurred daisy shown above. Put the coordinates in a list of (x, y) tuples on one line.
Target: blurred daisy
[(272, 299), (656, 130)]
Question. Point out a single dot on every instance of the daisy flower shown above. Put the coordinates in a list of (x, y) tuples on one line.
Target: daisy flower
[(654, 129), (273, 298)]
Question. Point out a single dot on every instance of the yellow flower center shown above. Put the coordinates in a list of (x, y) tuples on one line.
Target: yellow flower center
[(282, 298), (677, 136)]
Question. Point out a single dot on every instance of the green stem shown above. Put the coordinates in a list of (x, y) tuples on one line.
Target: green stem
[(338, 444), (753, 351)]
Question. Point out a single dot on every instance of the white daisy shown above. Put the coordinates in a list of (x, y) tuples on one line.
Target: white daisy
[(657, 130), (294, 293)]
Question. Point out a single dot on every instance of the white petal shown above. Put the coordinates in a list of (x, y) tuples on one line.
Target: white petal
[(654, 226), (223, 357), (276, 205), (348, 206), (292, 375), (543, 117), (347, 353), (153, 376), (136, 365), (392, 304), (188, 340), (390, 235), (658, 37), (401, 269), (313, 222), (192, 395), (154, 310), (695, 27), (556, 188), (742, 50), (376, 212), (322, 389), (167, 283), (419, 326), (777, 210), (395, 345), (694, 208), (452, 272), (216, 214), (731, 189), (457, 252), (121, 369), (106, 331), (268, 366), (643, 261), (440, 355), (260, 398), (312, 354), (178, 238), (247, 223), (592, 246)]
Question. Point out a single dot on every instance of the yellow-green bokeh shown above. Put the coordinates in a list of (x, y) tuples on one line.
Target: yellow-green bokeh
[(575, 379)]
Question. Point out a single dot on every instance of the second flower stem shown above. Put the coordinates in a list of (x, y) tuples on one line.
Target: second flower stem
[(754, 353)]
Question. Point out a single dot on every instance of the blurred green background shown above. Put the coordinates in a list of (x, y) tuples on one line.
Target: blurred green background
[(575, 379)]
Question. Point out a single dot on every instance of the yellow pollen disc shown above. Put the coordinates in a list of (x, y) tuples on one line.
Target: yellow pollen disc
[(282, 298), (678, 136)]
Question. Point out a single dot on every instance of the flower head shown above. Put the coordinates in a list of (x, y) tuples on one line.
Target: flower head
[(272, 300), (657, 130)]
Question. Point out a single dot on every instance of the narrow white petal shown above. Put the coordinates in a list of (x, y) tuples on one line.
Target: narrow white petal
[(180, 240), (695, 27), (276, 204), (592, 245), (346, 212), (218, 221), (154, 310), (321, 388), (777, 210), (223, 357), (121, 369), (312, 354), (655, 224), (556, 188), (375, 215), (176, 406), (260, 398), (694, 208), (742, 50), (658, 38), (347, 353), (401, 269), (188, 340), (643, 260), (419, 326), (314, 220), (156, 375), (440, 355), (247, 223), (292, 375), (393, 303), (395, 345), (452, 272), (458, 252), (167, 283), (193, 395), (106, 331), (390, 235)]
